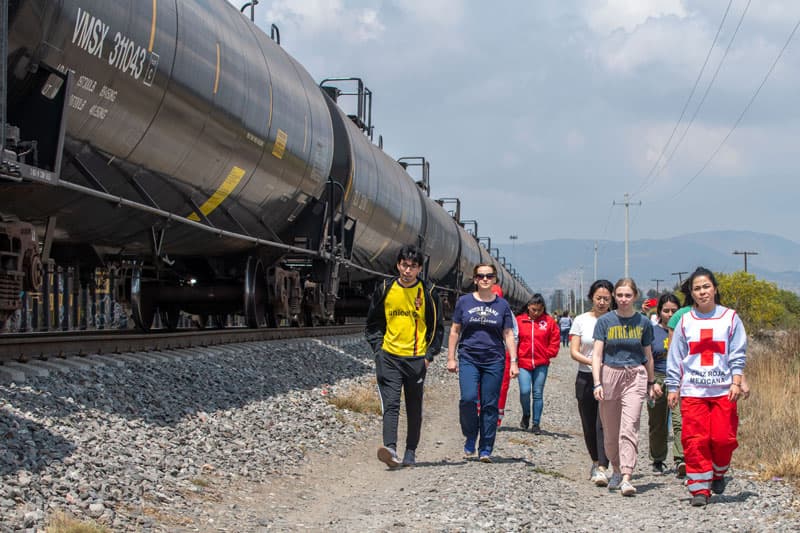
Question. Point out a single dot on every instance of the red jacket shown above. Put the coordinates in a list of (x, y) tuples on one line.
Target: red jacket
[(546, 340)]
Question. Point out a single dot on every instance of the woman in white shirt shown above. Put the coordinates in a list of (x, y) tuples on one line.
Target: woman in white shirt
[(581, 344)]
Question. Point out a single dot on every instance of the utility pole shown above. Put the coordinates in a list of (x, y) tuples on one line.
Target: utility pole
[(580, 294), (595, 262), (513, 239), (745, 254), (627, 203), (657, 282), (680, 276)]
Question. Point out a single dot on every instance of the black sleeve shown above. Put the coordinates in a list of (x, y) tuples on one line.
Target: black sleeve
[(375, 328)]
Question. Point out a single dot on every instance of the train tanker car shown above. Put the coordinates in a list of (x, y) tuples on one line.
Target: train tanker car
[(176, 142)]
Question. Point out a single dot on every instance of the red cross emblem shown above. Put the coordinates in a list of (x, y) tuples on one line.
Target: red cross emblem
[(707, 347)]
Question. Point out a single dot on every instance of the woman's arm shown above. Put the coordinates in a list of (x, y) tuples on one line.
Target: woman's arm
[(452, 344), (554, 340), (575, 350), (597, 367), (511, 346)]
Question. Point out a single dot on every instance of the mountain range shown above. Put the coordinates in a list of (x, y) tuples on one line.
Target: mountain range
[(558, 264)]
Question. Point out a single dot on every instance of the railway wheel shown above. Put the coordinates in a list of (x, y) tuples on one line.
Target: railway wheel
[(255, 294), (143, 307)]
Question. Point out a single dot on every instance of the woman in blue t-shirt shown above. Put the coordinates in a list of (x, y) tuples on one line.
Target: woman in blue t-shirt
[(657, 412), (482, 330)]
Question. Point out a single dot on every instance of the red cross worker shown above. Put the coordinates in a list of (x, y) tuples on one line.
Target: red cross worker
[(705, 369)]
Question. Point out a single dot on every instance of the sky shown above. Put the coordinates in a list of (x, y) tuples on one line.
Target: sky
[(541, 115)]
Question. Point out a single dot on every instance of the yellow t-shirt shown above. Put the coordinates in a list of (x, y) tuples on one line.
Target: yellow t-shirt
[(405, 321)]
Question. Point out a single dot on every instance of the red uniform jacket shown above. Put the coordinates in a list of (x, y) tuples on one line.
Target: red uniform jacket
[(546, 339)]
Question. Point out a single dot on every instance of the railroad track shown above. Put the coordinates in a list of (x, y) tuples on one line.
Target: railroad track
[(26, 347)]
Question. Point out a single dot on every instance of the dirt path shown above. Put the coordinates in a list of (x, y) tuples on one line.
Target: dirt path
[(536, 482)]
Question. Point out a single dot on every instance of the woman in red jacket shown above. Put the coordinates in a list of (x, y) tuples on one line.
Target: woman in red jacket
[(539, 340)]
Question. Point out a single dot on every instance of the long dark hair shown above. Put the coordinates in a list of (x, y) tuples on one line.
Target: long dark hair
[(536, 299), (668, 297), (603, 284), (702, 271)]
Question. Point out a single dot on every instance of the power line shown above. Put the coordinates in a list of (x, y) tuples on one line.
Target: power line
[(744, 111), (703, 98), (689, 99)]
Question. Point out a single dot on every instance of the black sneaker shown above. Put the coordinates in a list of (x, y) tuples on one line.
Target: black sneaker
[(410, 459), (658, 467), (718, 485), (536, 429), (526, 420), (699, 500)]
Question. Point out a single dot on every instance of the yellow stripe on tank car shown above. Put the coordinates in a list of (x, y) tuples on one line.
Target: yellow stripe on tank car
[(216, 78), (227, 187), (153, 27)]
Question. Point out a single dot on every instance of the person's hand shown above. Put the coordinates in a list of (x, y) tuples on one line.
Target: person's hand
[(513, 370), (427, 364), (672, 399), (734, 392), (657, 392), (745, 387), (598, 393), (452, 366)]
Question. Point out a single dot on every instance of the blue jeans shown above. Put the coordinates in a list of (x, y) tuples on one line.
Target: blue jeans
[(489, 376), (536, 378), (564, 337)]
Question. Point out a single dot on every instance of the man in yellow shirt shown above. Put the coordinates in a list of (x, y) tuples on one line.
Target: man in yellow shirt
[(405, 329)]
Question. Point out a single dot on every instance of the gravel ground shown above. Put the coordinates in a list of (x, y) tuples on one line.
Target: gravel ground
[(240, 438)]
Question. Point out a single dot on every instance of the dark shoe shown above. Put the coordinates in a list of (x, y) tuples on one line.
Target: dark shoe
[(718, 485), (658, 467), (409, 458), (388, 456), (536, 429), (699, 500), (680, 469), (526, 420), (485, 457), (469, 448)]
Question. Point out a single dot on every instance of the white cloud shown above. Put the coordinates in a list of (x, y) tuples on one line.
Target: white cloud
[(608, 16), (437, 12), (310, 17)]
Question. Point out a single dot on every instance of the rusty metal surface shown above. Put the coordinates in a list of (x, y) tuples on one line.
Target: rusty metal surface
[(24, 347)]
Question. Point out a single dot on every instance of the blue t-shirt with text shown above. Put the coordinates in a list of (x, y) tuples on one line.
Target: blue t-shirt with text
[(482, 326), (660, 346), (624, 338)]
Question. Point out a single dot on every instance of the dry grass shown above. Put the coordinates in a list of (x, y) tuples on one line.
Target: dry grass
[(769, 430), (64, 523), (359, 399)]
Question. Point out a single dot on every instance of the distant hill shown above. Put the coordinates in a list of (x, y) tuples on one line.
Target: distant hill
[(554, 264)]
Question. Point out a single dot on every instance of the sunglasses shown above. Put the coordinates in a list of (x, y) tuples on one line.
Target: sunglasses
[(484, 276)]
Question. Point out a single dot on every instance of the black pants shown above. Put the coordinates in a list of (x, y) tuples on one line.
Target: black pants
[(395, 373), (590, 419)]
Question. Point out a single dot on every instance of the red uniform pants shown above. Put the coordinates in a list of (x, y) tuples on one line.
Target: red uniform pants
[(501, 402), (709, 438)]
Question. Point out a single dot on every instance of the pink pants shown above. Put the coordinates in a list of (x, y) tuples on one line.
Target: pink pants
[(624, 389)]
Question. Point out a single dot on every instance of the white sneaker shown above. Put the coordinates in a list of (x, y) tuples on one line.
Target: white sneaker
[(593, 473), (388, 456), (600, 478), (615, 481), (627, 488)]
